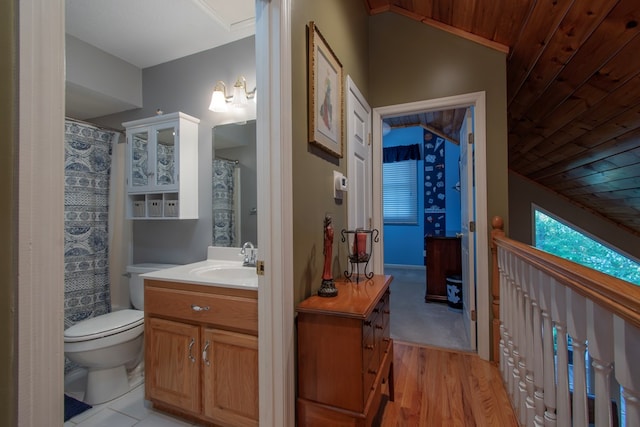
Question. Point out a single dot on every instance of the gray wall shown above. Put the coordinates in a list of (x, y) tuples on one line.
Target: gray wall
[(523, 193), (185, 85)]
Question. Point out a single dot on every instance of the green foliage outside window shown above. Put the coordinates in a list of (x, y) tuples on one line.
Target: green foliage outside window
[(561, 240)]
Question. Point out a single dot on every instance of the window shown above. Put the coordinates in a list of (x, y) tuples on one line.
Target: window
[(400, 192), (565, 241)]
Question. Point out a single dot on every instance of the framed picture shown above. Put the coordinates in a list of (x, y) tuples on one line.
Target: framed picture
[(325, 95)]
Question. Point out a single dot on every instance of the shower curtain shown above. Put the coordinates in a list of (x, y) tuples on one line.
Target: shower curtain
[(86, 208), (225, 199)]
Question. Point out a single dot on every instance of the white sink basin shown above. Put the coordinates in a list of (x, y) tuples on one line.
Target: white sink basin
[(228, 274)]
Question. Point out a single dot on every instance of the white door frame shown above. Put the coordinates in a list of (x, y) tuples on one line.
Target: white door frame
[(477, 100), (275, 223), (39, 344)]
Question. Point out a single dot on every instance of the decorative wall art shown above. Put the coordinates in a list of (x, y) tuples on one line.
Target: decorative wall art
[(434, 185), (325, 95)]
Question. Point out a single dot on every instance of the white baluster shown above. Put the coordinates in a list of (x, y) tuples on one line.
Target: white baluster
[(517, 337), (522, 340), (600, 338), (627, 367), (542, 368), (548, 301), (577, 328), (541, 305), (530, 301), (503, 301), (559, 313), (510, 326)]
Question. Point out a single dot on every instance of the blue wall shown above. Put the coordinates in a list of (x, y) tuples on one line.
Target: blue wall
[(404, 244)]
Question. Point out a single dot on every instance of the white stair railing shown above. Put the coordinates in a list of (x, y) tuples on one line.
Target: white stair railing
[(550, 317)]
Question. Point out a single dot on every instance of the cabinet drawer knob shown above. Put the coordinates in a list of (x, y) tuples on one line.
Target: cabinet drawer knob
[(195, 307), (367, 322), (379, 327), (369, 346), (372, 371)]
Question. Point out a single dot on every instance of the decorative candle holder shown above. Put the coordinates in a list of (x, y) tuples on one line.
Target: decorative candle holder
[(360, 247)]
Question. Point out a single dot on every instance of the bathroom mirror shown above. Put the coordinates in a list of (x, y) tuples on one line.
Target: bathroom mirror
[(234, 184)]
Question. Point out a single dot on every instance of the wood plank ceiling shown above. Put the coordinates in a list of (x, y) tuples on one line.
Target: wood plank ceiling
[(573, 71)]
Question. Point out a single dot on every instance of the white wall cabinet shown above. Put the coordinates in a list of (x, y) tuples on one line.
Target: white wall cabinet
[(162, 167)]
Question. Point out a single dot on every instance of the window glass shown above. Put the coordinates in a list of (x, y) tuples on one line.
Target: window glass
[(560, 239), (400, 192)]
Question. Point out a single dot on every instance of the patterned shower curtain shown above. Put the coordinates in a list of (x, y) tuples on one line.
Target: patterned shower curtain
[(223, 203), (86, 254)]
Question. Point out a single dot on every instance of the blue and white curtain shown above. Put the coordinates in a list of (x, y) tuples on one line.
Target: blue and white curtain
[(223, 185), (88, 152)]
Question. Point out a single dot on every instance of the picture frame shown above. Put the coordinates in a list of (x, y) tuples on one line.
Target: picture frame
[(326, 101)]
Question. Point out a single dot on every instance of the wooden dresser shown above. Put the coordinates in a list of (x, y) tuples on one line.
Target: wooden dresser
[(345, 354), (444, 258)]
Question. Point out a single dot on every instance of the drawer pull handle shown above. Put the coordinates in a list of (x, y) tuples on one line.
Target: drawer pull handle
[(204, 353), (198, 308), (191, 358), (369, 346), (372, 371), (367, 322), (376, 310), (379, 327), (386, 311), (386, 339)]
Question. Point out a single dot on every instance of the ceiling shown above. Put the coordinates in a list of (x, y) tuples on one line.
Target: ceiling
[(150, 32), (145, 33), (573, 88)]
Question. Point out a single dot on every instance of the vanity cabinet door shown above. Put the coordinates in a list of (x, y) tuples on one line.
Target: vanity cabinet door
[(172, 356), (230, 380)]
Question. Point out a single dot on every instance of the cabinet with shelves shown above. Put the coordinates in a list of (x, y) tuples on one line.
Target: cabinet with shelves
[(201, 352), (162, 167)]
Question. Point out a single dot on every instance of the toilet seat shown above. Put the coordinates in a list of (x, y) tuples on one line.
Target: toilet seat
[(104, 325)]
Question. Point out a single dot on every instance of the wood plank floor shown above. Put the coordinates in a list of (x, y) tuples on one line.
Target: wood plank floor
[(439, 387)]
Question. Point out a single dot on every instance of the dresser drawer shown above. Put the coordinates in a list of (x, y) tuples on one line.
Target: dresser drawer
[(231, 312)]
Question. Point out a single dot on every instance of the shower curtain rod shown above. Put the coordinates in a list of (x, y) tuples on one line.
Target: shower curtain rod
[(96, 126), (228, 160)]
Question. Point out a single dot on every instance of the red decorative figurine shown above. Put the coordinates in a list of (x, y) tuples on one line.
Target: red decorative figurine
[(328, 288)]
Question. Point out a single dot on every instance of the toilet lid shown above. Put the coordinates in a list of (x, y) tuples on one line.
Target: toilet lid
[(104, 325)]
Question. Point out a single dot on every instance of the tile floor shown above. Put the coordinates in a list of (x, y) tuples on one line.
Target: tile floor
[(125, 411)]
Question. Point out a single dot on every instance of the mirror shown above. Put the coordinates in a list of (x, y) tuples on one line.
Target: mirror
[(234, 184)]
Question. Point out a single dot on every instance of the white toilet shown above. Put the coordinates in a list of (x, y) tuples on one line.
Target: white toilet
[(110, 345)]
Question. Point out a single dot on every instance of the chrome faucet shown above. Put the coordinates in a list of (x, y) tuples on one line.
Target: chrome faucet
[(249, 257)]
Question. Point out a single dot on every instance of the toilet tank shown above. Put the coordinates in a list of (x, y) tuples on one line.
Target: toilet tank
[(136, 283)]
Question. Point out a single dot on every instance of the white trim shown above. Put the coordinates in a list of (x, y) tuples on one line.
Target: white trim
[(275, 222), (40, 351), (478, 100)]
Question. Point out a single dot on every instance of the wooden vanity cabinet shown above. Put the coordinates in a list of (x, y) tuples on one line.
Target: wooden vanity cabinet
[(201, 352), (345, 354)]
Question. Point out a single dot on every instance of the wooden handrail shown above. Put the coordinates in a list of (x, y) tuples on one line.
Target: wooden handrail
[(618, 296)]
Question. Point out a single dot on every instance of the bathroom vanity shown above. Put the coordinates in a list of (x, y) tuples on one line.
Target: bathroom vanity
[(201, 346)]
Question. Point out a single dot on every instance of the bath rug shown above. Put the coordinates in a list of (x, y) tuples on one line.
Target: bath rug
[(73, 407)]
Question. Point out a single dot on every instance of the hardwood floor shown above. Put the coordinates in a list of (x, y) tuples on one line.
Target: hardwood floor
[(438, 387)]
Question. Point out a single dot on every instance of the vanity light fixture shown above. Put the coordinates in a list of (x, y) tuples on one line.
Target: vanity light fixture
[(239, 98)]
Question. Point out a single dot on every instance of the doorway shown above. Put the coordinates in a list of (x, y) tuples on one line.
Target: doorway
[(480, 260)]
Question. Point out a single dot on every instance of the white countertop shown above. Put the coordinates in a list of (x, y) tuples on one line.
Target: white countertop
[(211, 272)]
